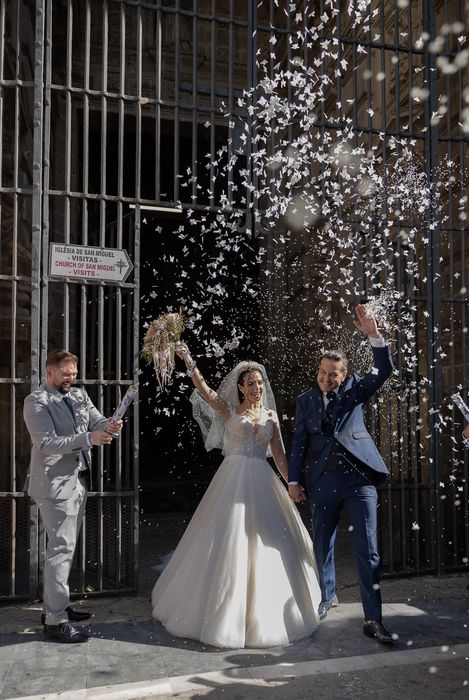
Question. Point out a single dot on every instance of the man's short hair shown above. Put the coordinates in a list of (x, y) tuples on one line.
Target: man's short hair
[(55, 357), (335, 356)]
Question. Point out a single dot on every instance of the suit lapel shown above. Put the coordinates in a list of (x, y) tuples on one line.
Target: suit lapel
[(341, 403), (316, 404), (58, 402)]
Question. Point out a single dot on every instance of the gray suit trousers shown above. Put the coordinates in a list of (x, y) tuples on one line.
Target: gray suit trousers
[(62, 521)]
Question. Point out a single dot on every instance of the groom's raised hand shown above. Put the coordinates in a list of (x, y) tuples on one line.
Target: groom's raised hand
[(364, 323)]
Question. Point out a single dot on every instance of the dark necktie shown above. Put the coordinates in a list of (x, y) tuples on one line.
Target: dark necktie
[(331, 401), (328, 427), (69, 405), (328, 421)]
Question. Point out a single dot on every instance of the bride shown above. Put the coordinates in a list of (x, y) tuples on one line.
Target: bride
[(244, 573)]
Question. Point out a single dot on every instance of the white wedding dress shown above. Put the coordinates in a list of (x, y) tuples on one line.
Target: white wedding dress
[(244, 573)]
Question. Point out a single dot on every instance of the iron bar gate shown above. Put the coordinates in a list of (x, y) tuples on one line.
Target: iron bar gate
[(102, 106), (54, 197), (401, 82)]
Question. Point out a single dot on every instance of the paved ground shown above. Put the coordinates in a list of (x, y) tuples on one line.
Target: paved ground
[(130, 656)]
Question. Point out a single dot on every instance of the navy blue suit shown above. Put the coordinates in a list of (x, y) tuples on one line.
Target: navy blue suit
[(343, 469)]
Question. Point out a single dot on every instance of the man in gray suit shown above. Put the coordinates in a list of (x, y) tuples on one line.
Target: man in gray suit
[(63, 424)]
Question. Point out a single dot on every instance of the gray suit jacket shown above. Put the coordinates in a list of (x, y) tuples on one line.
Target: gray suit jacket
[(59, 441)]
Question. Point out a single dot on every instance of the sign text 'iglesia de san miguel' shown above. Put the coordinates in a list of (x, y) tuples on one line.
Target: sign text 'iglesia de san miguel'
[(87, 262)]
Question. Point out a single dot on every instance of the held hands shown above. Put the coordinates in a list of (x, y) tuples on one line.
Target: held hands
[(296, 493), (364, 323)]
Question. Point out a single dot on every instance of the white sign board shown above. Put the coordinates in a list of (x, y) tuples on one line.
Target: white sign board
[(87, 262)]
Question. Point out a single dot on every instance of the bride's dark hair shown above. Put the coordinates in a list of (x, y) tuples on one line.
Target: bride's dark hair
[(240, 381)]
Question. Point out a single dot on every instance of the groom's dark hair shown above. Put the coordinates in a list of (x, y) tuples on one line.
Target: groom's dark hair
[(335, 356)]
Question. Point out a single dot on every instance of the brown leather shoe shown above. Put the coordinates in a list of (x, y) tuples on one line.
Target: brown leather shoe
[(66, 633)]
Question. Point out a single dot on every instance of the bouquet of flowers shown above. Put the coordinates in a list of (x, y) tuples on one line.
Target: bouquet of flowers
[(159, 342)]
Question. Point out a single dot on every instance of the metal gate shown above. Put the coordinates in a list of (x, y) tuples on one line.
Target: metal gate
[(105, 105), (50, 193), (402, 79)]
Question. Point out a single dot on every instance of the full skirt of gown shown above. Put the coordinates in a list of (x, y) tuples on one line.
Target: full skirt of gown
[(244, 572)]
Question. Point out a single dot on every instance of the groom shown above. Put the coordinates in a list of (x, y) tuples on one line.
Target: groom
[(344, 468)]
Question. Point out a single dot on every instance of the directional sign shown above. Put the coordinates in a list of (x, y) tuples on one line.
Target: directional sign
[(86, 262)]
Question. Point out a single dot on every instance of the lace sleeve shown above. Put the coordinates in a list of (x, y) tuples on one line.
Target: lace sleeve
[(211, 423)]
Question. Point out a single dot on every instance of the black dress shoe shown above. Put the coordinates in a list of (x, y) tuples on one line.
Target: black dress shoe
[(65, 633), (77, 615), (376, 630), (73, 616)]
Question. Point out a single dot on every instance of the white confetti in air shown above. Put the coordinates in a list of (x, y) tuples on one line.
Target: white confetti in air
[(329, 216)]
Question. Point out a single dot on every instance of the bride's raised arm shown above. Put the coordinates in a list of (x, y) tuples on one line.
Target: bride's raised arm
[(208, 394)]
